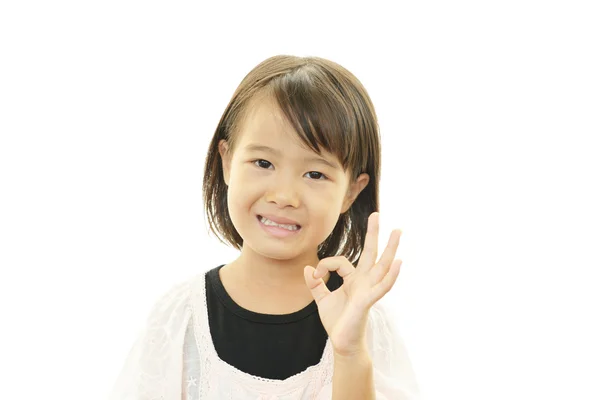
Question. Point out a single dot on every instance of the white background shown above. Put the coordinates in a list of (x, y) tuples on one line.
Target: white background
[(489, 115)]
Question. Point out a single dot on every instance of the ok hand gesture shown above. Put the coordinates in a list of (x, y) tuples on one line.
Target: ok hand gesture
[(344, 312)]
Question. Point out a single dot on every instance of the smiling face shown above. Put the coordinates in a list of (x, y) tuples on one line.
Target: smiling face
[(270, 172)]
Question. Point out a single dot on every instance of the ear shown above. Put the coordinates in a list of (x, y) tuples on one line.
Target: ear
[(354, 190), (225, 159)]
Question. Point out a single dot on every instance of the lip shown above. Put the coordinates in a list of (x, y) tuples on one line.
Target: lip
[(279, 220)]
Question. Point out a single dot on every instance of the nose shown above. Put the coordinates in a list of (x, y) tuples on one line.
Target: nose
[(284, 192)]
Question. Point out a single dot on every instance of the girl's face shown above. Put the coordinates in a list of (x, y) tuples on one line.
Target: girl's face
[(270, 173)]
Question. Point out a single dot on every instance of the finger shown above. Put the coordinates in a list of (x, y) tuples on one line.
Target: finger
[(369, 254), (340, 264), (317, 287), (383, 265), (380, 289)]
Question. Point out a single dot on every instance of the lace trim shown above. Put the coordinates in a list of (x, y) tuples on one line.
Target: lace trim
[(211, 366), (157, 360)]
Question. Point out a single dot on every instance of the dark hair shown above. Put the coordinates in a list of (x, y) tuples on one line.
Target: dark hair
[(329, 108)]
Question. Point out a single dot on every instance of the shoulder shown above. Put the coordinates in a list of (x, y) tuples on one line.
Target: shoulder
[(154, 361), (391, 361), (379, 317), (384, 340), (174, 300)]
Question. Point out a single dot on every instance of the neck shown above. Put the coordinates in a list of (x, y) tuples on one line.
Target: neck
[(271, 275)]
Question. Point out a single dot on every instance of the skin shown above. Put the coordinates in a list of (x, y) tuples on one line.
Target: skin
[(282, 275), (286, 186), (344, 311)]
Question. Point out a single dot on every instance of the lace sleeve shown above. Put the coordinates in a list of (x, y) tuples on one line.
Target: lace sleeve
[(393, 376), (153, 367)]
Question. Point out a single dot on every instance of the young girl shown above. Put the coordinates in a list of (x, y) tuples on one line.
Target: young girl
[(291, 180)]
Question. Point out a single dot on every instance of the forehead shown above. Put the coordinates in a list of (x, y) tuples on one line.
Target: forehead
[(266, 125), (265, 122)]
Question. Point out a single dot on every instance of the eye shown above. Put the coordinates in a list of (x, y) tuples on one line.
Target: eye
[(261, 162), (264, 164), (318, 174)]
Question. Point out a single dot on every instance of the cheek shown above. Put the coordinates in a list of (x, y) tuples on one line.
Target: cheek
[(326, 209), (323, 224), (242, 183)]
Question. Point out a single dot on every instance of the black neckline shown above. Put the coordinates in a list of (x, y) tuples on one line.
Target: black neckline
[(333, 283)]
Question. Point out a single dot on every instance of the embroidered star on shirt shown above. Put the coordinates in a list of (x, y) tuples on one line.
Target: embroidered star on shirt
[(191, 381)]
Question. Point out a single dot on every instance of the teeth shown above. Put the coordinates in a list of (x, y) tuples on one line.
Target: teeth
[(271, 223)]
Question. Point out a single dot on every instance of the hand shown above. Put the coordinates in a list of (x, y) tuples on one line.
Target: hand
[(344, 312)]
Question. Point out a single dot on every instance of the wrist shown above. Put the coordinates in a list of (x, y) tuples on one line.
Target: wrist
[(358, 356)]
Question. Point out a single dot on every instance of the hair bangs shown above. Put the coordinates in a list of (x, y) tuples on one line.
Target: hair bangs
[(314, 105)]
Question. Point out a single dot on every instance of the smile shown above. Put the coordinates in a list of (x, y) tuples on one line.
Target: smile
[(278, 230)]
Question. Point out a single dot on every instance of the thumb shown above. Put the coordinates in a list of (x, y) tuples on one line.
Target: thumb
[(317, 287)]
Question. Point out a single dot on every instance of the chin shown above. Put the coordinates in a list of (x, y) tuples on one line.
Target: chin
[(274, 250)]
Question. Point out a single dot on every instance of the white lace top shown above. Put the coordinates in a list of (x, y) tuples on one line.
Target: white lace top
[(174, 359)]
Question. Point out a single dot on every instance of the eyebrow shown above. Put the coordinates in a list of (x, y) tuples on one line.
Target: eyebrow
[(259, 147)]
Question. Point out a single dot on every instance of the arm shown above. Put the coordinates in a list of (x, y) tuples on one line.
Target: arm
[(353, 377)]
